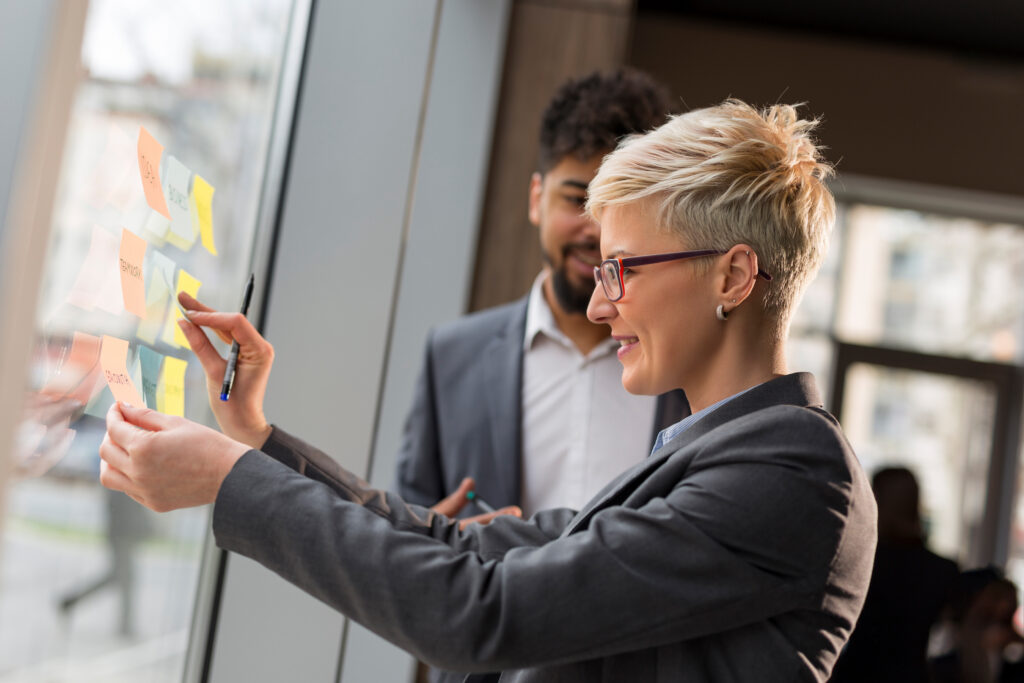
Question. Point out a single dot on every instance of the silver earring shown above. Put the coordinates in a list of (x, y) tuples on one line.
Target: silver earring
[(720, 312)]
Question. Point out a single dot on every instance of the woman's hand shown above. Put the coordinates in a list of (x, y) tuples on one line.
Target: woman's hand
[(164, 462), (241, 417)]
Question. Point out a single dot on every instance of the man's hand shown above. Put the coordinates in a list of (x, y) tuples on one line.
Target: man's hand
[(241, 417), (164, 462), (453, 504)]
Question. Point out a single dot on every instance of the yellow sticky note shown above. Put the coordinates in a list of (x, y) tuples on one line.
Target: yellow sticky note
[(170, 390), (150, 152), (202, 211), (172, 333), (114, 361), (133, 285)]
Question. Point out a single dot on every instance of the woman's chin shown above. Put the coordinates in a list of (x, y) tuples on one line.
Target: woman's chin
[(637, 385)]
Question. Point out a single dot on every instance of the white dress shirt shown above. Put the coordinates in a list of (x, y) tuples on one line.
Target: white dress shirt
[(580, 427)]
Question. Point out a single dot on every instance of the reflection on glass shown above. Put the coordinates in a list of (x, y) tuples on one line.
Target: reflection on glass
[(935, 284), (937, 426), (93, 586)]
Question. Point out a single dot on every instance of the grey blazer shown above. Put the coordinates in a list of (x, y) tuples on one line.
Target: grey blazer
[(466, 414), (739, 552)]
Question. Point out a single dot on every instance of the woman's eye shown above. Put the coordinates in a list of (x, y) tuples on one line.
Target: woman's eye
[(626, 271), (576, 200)]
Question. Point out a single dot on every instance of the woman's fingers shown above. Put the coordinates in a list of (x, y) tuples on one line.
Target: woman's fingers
[(209, 358), (235, 325), (190, 303)]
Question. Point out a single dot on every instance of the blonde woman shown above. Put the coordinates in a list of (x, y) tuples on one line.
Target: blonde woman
[(739, 551)]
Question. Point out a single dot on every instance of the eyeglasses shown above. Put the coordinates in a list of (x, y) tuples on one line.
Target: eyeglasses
[(609, 273)]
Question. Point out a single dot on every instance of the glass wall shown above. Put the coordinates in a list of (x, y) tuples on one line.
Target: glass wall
[(159, 191), (948, 288)]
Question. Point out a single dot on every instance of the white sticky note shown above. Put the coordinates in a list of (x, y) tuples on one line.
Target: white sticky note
[(159, 290), (98, 284), (176, 185)]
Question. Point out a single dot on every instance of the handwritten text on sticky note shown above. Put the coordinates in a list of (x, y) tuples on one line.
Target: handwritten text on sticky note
[(150, 152), (114, 360)]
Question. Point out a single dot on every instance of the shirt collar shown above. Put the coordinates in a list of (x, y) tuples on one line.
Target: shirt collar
[(540, 320), (672, 431)]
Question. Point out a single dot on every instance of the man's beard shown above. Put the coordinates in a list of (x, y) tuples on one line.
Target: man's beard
[(570, 298)]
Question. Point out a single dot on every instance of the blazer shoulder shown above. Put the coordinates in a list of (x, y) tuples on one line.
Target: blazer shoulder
[(481, 326), (786, 433)]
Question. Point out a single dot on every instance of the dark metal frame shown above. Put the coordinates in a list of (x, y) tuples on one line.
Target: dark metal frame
[(1004, 458)]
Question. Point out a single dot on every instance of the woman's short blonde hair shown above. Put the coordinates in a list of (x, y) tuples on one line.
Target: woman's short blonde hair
[(730, 175)]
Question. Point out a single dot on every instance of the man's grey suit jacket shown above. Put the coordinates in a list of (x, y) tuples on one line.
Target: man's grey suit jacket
[(740, 552), (466, 414)]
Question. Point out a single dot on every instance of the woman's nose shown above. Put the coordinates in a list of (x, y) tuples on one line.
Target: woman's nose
[(600, 310)]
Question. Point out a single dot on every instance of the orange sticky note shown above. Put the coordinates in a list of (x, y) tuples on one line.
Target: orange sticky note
[(114, 361), (78, 373), (133, 285), (150, 152)]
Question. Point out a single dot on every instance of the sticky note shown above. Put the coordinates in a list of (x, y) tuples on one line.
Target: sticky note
[(133, 284), (176, 180), (98, 284), (78, 372), (111, 182), (202, 212), (159, 276), (114, 360), (155, 227), (150, 152), (170, 396), (135, 373), (172, 333), (100, 403), (149, 362)]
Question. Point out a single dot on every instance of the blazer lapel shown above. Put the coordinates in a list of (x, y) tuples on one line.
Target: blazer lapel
[(503, 377), (796, 389)]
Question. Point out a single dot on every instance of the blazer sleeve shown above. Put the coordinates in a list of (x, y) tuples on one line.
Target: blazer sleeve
[(418, 467), (317, 466), (747, 537)]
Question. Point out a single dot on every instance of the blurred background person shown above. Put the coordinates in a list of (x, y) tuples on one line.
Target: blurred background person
[(910, 585), (982, 612)]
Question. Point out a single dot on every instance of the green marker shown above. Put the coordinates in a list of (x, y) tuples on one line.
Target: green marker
[(473, 498)]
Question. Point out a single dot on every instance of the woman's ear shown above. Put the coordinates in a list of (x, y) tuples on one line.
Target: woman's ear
[(738, 276)]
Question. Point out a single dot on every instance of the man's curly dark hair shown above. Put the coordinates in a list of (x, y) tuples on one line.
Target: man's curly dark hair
[(589, 115)]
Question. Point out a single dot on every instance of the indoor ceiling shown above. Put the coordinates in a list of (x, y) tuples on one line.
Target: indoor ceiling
[(985, 28)]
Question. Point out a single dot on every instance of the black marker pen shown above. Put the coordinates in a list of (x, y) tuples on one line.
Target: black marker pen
[(229, 371)]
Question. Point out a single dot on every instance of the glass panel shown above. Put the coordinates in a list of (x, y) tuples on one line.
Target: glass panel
[(934, 284), (93, 586), (814, 314), (813, 353), (939, 427)]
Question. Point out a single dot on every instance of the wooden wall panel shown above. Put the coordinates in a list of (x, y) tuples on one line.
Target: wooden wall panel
[(548, 42), (890, 111)]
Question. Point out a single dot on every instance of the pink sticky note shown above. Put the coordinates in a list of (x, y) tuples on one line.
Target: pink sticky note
[(133, 286), (114, 360), (98, 284), (150, 152)]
